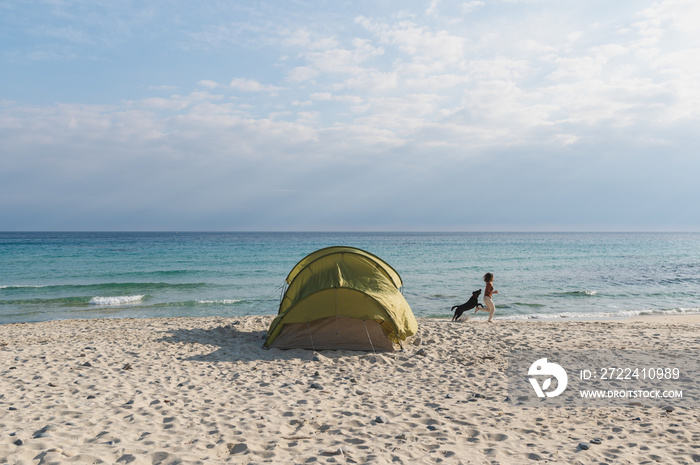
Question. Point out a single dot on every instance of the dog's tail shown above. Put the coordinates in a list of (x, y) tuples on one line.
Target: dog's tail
[(453, 308)]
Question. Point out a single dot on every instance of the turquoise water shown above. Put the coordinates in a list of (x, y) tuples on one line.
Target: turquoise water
[(49, 276)]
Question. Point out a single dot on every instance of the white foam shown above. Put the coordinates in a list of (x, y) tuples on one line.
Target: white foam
[(118, 300), (223, 301), (599, 315), (17, 286)]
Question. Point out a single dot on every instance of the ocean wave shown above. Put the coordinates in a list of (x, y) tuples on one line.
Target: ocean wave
[(586, 293), (18, 286), (110, 286), (56, 301), (118, 300), (220, 302), (600, 315)]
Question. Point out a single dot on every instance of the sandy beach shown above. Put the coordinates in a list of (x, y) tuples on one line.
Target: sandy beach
[(203, 390)]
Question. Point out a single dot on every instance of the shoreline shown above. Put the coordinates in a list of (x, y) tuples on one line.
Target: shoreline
[(692, 319), (670, 318), (197, 390)]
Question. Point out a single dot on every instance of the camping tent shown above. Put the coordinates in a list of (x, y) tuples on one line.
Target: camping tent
[(342, 298)]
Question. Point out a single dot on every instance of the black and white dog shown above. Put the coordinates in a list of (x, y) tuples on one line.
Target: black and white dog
[(473, 302)]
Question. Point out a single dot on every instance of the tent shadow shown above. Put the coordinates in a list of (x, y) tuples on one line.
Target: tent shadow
[(226, 343)]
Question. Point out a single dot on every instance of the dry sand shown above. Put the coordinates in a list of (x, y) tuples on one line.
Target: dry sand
[(203, 390)]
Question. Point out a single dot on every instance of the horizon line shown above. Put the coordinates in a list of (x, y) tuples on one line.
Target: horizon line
[(339, 231)]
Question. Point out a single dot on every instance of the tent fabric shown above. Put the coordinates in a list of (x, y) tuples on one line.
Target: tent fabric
[(385, 267), (341, 282), (330, 333)]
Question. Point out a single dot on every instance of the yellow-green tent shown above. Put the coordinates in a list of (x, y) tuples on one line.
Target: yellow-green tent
[(342, 298)]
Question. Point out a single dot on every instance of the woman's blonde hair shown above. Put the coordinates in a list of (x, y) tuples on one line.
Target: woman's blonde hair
[(488, 277)]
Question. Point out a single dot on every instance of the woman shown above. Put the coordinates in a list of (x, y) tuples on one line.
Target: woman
[(488, 292)]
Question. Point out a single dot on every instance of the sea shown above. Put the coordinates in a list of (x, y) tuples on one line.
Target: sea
[(47, 276)]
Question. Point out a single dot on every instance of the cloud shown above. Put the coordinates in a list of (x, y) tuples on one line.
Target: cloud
[(326, 58), (208, 83), (302, 38), (401, 119), (471, 6), (251, 85), (420, 43)]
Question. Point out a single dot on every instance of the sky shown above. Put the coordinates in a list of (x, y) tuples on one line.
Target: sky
[(436, 115)]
